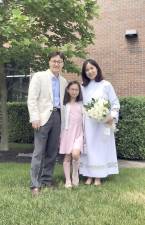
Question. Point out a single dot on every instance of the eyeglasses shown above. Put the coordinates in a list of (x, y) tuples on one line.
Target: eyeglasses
[(55, 61)]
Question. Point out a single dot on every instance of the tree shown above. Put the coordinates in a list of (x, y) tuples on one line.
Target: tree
[(30, 29)]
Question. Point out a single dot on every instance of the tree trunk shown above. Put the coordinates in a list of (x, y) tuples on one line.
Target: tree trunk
[(3, 111)]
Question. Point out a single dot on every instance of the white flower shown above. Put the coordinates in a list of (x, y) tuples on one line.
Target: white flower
[(97, 109)]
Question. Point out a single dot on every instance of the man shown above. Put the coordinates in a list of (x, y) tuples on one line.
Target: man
[(45, 105)]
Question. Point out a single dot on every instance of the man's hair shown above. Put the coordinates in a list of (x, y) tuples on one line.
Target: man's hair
[(53, 54)]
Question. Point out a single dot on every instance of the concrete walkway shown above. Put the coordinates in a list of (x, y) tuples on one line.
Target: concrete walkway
[(122, 163), (131, 164)]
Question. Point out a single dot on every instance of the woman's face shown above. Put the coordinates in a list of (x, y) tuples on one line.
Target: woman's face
[(91, 71)]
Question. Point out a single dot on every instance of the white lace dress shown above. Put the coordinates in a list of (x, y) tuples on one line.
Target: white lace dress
[(99, 158)]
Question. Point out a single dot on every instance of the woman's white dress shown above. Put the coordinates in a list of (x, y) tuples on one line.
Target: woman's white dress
[(99, 158)]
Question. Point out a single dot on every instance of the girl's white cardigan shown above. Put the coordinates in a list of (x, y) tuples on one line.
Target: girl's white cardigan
[(66, 116)]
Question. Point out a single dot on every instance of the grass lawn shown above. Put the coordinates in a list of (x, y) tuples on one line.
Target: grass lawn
[(119, 201)]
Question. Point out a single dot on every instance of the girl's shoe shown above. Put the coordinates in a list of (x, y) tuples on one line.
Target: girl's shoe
[(75, 183), (89, 181), (97, 182), (66, 166), (68, 185)]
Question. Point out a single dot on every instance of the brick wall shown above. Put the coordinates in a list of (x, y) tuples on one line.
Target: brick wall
[(122, 61)]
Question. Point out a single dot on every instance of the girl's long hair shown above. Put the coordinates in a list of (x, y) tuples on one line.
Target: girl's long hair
[(67, 97)]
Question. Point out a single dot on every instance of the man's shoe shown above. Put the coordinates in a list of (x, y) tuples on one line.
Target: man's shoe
[(35, 192)]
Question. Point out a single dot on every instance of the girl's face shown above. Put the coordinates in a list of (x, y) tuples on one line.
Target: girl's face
[(91, 71), (73, 91)]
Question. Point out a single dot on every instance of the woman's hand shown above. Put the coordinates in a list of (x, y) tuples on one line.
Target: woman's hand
[(109, 120)]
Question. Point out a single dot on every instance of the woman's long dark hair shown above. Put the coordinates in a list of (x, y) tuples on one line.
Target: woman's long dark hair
[(99, 75), (67, 97)]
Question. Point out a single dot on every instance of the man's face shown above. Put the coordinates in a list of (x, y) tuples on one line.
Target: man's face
[(56, 64)]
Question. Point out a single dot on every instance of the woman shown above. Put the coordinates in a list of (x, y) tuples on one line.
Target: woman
[(99, 158)]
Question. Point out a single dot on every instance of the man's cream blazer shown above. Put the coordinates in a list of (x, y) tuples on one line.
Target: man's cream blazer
[(40, 96)]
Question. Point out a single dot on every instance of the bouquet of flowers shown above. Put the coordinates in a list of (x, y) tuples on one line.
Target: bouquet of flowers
[(99, 109)]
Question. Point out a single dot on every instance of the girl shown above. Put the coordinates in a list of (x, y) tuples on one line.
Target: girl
[(100, 158), (71, 143)]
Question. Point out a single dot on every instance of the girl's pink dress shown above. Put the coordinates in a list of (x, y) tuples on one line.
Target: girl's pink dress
[(72, 138)]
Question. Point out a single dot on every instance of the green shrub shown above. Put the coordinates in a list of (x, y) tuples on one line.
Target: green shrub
[(130, 138), (20, 130)]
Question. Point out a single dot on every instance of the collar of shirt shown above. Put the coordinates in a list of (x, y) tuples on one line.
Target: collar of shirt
[(54, 77)]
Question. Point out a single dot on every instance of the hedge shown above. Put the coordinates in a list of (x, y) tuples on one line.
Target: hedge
[(130, 139), (20, 130)]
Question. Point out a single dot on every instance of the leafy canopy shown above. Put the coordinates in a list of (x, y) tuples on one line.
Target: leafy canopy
[(30, 29)]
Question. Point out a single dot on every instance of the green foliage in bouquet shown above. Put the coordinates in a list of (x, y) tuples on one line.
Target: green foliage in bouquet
[(98, 108), (92, 103)]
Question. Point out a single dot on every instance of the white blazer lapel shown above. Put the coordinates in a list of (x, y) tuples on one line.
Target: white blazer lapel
[(62, 91), (50, 83)]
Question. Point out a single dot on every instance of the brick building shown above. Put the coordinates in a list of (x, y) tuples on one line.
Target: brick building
[(122, 59)]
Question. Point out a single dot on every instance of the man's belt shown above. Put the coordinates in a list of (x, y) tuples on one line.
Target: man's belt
[(55, 109)]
